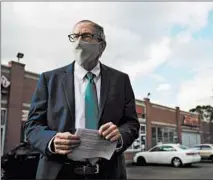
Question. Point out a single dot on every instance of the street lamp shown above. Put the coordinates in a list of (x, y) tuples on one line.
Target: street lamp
[(19, 56), (148, 95)]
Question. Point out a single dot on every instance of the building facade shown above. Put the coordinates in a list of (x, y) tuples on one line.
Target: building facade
[(157, 123)]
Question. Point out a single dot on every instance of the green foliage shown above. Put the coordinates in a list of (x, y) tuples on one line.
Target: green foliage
[(205, 112)]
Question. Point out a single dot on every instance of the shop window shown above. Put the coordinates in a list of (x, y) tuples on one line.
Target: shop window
[(2, 141), (140, 143), (171, 136), (154, 136), (163, 135), (143, 142), (143, 116), (3, 125), (175, 137), (3, 116), (142, 129), (159, 135)]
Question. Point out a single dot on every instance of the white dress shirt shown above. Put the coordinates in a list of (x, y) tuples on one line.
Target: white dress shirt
[(80, 87), (80, 83)]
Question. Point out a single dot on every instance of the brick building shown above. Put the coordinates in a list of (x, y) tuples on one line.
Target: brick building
[(158, 123)]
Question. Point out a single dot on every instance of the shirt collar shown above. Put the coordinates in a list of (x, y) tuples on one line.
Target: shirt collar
[(81, 72)]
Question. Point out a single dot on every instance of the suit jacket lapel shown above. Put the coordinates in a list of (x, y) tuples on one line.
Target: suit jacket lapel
[(68, 87), (105, 83)]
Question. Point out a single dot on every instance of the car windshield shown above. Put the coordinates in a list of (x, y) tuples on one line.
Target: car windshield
[(182, 147)]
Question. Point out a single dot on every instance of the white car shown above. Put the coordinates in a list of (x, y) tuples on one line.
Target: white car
[(175, 154)]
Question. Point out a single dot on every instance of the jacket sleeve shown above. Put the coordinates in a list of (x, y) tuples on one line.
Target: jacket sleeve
[(130, 125), (36, 129)]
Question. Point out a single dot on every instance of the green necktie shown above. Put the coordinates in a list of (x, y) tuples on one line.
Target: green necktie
[(91, 103)]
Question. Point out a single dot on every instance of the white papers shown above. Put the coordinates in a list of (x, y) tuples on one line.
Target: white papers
[(92, 146)]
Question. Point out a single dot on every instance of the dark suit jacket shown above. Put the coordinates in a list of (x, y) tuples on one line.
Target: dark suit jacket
[(53, 110)]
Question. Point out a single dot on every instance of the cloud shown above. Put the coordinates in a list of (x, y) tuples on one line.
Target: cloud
[(157, 77), (163, 87), (198, 91), (133, 30), (157, 54), (138, 36)]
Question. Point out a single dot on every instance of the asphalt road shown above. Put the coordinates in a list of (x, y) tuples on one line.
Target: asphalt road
[(203, 170)]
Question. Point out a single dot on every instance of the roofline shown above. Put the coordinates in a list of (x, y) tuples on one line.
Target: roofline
[(33, 73)]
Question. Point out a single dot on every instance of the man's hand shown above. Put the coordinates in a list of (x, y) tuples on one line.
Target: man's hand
[(65, 142), (110, 132)]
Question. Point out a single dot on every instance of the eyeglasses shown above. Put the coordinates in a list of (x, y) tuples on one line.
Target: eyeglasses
[(84, 36)]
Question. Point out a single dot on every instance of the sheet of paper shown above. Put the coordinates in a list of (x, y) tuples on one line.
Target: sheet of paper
[(92, 146)]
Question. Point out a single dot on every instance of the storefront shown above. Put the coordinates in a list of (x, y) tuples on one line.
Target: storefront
[(164, 135), (190, 130)]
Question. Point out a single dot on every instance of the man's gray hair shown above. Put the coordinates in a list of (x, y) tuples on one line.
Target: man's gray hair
[(99, 29)]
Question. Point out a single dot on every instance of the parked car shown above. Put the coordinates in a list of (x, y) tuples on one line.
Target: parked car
[(20, 163), (174, 154), (206, 151)]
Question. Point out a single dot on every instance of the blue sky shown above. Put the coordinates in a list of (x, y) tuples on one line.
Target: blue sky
[(206, 32), (171, 75), (165, 48)]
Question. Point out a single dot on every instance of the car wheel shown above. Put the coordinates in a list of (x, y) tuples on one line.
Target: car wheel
[(141, 161), (176, 162)]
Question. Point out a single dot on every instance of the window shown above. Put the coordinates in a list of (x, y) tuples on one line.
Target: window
[(143, 129), (171, 135), (143, 116), (154, 136), (168, 148), (206, 147), (3, 125), (140, 143), (3, 116), (1, 135), (156, 149), (159, 134), (164, 135), (182, 147)]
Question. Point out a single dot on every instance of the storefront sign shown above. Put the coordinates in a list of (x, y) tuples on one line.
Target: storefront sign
[(5, 82), (190, 121)]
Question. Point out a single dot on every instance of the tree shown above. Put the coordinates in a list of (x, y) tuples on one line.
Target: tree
[(205, 115)]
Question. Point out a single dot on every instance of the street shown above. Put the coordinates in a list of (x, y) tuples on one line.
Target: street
[(203, 170)]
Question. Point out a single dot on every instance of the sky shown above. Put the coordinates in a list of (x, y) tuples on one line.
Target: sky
[(166, 48)]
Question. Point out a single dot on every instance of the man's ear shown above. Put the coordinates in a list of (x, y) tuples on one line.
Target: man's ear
[(102, 46)]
